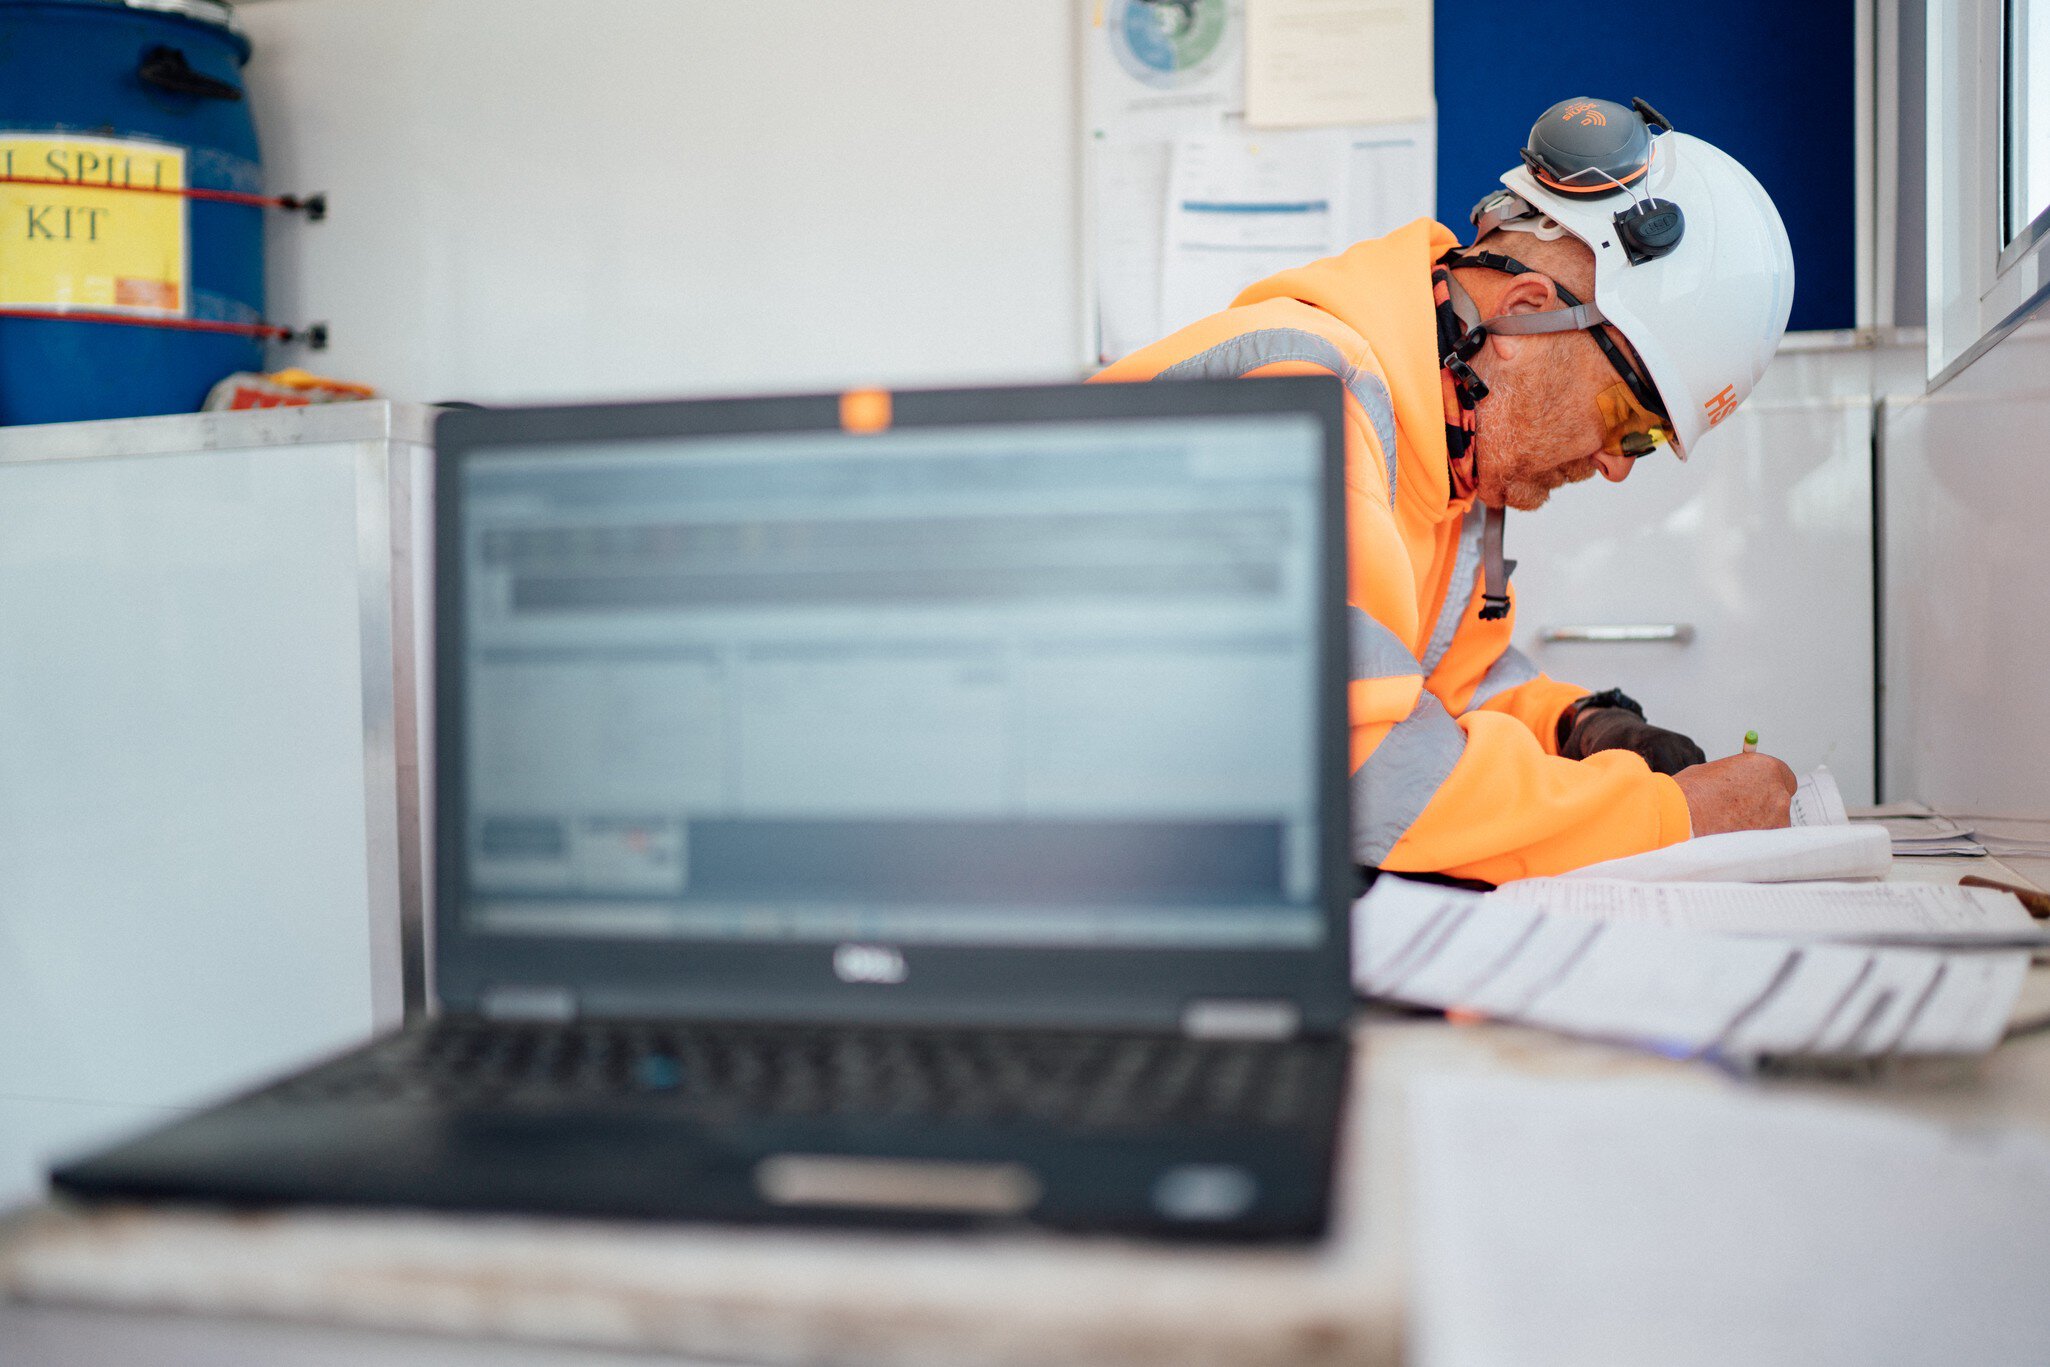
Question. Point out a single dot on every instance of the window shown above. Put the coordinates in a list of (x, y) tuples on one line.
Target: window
[(2025, 121), (1989, 174)]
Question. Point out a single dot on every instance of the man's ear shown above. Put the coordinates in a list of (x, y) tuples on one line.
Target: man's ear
[(1528, 293)]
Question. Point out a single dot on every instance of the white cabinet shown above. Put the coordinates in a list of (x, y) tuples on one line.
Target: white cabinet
[(207, 858), (1759, 551)]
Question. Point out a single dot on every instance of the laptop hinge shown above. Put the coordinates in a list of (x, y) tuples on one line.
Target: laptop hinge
[(527, 1002), (1241, 1018)]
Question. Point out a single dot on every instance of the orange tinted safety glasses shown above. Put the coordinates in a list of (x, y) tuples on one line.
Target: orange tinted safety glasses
[(1628, 427)]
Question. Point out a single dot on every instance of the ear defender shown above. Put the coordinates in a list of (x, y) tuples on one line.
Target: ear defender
[(1649, 229), (1592, 148)]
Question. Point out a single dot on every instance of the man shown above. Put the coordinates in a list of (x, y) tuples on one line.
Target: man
[(1625, 291)]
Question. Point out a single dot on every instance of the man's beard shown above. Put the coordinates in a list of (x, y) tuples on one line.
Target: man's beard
[(1527, 493), (1523, 421)]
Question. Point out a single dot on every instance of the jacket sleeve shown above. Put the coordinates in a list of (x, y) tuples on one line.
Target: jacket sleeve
[(1481, 669), (1477, 789), (1514, 687), (1503, 808)]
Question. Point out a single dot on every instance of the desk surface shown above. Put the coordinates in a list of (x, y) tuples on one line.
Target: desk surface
[(176, 1287)]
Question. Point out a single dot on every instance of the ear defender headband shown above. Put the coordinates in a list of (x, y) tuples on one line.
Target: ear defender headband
[(1589, 149)]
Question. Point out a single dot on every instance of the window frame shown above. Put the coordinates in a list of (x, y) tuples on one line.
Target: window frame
[(1981, 285)]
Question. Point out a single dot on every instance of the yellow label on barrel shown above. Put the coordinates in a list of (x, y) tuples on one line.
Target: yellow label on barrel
[(79, 231)]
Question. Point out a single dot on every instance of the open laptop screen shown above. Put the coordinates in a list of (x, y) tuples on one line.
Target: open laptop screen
[(1042, 683)]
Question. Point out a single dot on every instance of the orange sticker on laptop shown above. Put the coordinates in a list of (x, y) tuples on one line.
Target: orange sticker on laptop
[(865, 410)]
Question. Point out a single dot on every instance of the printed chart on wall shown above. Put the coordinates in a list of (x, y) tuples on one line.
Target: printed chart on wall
[(1226, 140)]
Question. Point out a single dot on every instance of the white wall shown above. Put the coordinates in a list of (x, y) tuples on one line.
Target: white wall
[(646, 197), (535, 200), (1762, 547), (1965, 520)]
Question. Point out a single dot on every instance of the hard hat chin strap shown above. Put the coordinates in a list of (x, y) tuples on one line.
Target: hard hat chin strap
[(1495, 571), (1461, 332), (1576, 317)]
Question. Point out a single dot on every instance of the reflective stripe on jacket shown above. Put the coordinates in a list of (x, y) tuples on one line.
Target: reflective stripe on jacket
[(1455, 763)]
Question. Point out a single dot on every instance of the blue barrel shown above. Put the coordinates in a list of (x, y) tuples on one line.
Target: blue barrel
[(81, 80)]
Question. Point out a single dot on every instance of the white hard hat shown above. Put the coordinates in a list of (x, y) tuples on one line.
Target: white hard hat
[(1692, 263)]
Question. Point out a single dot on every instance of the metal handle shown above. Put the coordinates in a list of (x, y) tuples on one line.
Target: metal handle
[(1670, 633), (166, 69)]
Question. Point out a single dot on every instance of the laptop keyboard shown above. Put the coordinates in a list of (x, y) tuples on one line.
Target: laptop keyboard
[(731, 1072)]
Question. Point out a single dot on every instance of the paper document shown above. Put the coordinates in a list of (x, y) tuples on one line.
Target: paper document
[(1240, 209), (2011, 845), (1834, 911), (1164, 88), (1817, 800), (1130, 187), (1313, 63), (1564, 1222), (1682, 992), (1793, 854), (1926, 835)]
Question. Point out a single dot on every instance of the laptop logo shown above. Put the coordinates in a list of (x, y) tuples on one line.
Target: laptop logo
[(868, 964)]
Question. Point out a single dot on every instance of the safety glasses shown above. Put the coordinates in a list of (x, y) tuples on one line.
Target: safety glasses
[(1629, 429)]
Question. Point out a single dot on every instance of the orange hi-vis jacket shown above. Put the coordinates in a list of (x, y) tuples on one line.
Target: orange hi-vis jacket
[(1454, 756)]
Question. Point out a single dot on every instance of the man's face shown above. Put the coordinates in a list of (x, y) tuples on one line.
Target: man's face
[(1540, 427)]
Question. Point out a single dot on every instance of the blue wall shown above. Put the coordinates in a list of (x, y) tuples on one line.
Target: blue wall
[(1769, 83)]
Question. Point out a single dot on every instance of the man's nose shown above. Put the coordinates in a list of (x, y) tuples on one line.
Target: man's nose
[(1615, 469)]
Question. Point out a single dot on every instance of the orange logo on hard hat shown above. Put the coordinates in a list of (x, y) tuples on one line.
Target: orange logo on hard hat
[(1722, 405), (1589, 116)]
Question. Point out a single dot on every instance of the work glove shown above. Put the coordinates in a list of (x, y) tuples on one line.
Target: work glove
[(1614, 721)]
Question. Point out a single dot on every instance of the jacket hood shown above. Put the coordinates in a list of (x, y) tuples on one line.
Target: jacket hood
[(1381, 289)]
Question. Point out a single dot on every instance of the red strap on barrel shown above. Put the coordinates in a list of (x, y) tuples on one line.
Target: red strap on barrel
[(267, 330)]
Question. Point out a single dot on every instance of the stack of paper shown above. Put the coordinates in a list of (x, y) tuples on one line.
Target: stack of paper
[(1926, 835), (2022, 847), (1918, 831), (1896, 912), (1684, 992)]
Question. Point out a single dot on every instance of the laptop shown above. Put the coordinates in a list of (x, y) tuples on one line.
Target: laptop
[(919, 808)]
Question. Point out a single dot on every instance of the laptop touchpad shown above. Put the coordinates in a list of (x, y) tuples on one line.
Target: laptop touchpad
[(798, 1179)]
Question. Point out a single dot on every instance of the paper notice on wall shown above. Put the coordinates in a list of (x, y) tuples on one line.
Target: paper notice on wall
[(1240, 209), (1391, 177), (1236, 209), (1129, 185), (1159, 69), (1317, 63), (1165, 86)]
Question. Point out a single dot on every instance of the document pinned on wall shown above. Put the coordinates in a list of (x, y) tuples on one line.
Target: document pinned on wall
[(1316, 63), (1167, 143), (1240, 209)]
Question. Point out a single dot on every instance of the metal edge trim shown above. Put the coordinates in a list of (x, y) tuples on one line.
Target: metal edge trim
[(375, 582)]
